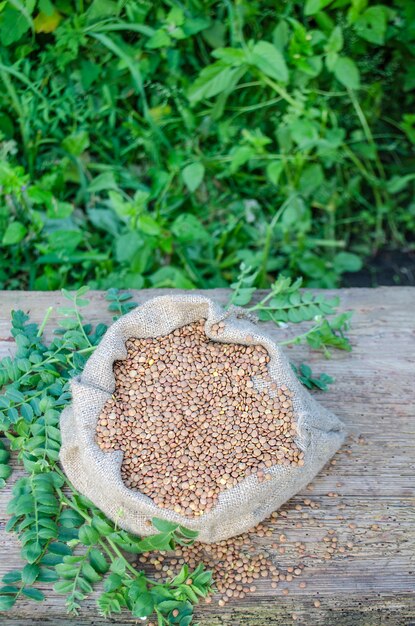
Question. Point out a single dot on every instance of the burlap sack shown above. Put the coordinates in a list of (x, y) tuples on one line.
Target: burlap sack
[(96, 474)]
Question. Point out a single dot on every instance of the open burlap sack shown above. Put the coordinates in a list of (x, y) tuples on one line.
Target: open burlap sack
[(97, 475)]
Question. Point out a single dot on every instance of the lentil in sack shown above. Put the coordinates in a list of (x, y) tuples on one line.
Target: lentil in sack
[(192, 414)]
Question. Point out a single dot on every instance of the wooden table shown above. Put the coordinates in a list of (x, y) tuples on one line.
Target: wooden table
[(372, 583)]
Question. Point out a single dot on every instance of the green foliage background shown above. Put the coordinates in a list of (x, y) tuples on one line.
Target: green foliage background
[(163, 143)]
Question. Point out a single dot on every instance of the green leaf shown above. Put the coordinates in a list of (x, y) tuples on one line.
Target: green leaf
[(167, 605), (274, 171), (13, 576), (304, 132), (118, 566), (187, 228), (26, 412), (212, 80), (15, 394), (89, 572), (59, 210), (186, 532), (399, 183), (6, 602), (347, 262), (5, 471), (269, 60), (15, 232), (294, 213), (34, 594), (335, 42), (230, 56), (13, 25), (371, 24), (105, 181), (32, 551), (112, 582), (160, 39), (137, 588), (244, 296), (126, 58), (101, 8), (181, 576), (128, 246), (314, 6), (29, 573), (88, 535), (98, 561), (143, 606), (163, 525), (347, 73), (103, 527), (63, 586), (84, 585), (76, 143), (148, 225), (156, 542), (47, 575), (193, 175), (58, 547)]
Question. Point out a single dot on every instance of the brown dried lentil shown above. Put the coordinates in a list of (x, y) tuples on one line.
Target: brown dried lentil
[(191, 422)]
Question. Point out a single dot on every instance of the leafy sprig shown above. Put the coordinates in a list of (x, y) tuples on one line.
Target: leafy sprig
[(286, 304), (5, 469), (65, 539), (306, 376), (119, 302)]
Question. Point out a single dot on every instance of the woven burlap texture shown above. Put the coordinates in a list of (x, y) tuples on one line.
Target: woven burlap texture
[(96, 474)]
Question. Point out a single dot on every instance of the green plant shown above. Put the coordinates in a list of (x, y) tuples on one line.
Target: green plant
[(158, 144), (310, 380), (286, 303), (65, 539)]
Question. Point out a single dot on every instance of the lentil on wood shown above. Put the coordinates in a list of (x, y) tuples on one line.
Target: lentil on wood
[(192, 420), (238, 564)]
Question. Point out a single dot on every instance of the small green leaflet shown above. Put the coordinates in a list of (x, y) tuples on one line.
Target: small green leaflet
[(267, 58), (347, 73), (193, 175)]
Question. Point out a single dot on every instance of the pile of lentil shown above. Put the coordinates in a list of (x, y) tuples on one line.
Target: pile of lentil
[(269, 552), (191, 421)]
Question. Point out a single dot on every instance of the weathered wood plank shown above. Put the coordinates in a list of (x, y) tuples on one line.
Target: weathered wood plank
[(374, 582)]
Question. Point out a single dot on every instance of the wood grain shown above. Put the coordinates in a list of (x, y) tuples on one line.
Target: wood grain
[(373, 583)]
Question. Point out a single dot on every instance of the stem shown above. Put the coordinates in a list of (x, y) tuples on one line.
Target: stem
[(267, 245), (121, 556), (235, 30), (20, 114), (88, 518), (79, 320), (45, 319), (282, 92), (299, 338), (35, 368), (260, 304), (378, 197), (35, 509), (369, 176), (86, 350), (366, 129), (80, 563)]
